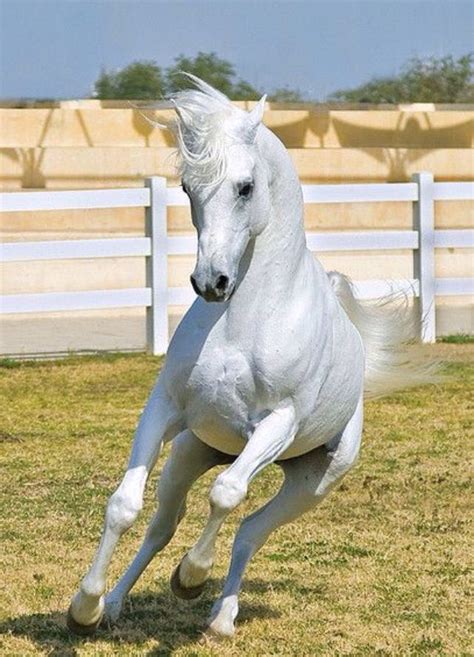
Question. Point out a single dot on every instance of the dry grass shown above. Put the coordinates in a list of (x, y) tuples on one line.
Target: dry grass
[(381, 568)]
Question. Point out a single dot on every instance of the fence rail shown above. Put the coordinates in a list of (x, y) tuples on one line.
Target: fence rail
[(75, 200), (156, 246)]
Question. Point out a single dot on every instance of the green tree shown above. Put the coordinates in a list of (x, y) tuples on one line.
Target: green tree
[(444, 80), (104, 87), (139, 80), (145, 80), (286, 95), (432, 80), (208, 66), (212, 69), (244, 91)]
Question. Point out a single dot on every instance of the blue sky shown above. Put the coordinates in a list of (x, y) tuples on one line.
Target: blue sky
[(56, 48)]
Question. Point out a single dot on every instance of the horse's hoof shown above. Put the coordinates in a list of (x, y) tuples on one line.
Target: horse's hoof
[(77, 628), (184, 592), (214, 635)]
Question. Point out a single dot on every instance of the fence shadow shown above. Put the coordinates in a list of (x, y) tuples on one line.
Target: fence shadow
[(396, 147)]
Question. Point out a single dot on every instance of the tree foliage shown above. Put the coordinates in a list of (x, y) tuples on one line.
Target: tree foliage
[(146, 80), (432, 80), (216, 71), (286, 95), (138, 80)]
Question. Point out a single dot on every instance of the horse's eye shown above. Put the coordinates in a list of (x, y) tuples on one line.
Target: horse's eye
[(246, 190)]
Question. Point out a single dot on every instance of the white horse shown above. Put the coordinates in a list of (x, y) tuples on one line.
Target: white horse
[(268, 364)]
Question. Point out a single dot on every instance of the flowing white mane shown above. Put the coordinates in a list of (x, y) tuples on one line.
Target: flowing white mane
[(202, 131)]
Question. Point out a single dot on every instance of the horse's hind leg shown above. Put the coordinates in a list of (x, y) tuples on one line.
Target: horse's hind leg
[(160, 421), (189, 459), (308, 479)]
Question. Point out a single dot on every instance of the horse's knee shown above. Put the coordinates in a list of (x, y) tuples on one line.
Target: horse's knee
[(339, 464), (122, 510), (127, 501), (344, 459), (344, 452), (227, 492)]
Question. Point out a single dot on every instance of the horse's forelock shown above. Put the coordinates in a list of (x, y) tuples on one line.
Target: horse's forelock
[(202, 133)]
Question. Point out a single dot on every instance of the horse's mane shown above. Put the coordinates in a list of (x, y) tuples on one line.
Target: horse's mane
[(206, 123), (202, 132)]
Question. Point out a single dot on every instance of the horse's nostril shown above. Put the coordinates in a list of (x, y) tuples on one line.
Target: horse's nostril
[(221, 283), (194, 284)]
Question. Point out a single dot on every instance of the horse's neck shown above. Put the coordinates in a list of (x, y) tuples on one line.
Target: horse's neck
[(285, 231), (273, 259)]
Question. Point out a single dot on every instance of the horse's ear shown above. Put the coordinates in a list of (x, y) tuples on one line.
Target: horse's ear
[(255, 117)]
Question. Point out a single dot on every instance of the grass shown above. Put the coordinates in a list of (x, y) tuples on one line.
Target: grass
[(458, 338), (380, 568)]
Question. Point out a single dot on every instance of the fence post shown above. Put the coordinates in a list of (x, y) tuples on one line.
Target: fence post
[(424, 256), (157, 267)]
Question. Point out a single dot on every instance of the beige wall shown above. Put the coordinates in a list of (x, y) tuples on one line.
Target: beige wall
[(297, 128), (64, 148), (85, 146)]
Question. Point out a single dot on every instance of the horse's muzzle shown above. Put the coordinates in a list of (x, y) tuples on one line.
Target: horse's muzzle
[(221, 289)]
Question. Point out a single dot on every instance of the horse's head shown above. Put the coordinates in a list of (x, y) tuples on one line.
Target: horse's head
[(226, 180)]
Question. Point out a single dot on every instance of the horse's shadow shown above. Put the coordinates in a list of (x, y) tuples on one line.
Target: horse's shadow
[(157, 615)]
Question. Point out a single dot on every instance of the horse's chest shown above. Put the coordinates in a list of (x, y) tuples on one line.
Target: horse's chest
[(219, 397)]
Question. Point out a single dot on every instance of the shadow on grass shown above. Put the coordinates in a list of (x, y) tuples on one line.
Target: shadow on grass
[(174, 623)]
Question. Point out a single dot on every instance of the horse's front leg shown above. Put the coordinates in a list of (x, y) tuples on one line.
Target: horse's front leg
[(160, 421), (271, 438), (189, 459), (308, 479)]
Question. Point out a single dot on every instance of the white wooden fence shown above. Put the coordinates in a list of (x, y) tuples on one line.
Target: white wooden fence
[(156, 246)]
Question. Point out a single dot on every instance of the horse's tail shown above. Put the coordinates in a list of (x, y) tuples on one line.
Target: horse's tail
[(394, 359)]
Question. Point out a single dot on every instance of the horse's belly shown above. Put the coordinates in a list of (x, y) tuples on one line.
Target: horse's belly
[(333, 407), (226, 421), (230, 434), (220, 435), (222, 425)]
